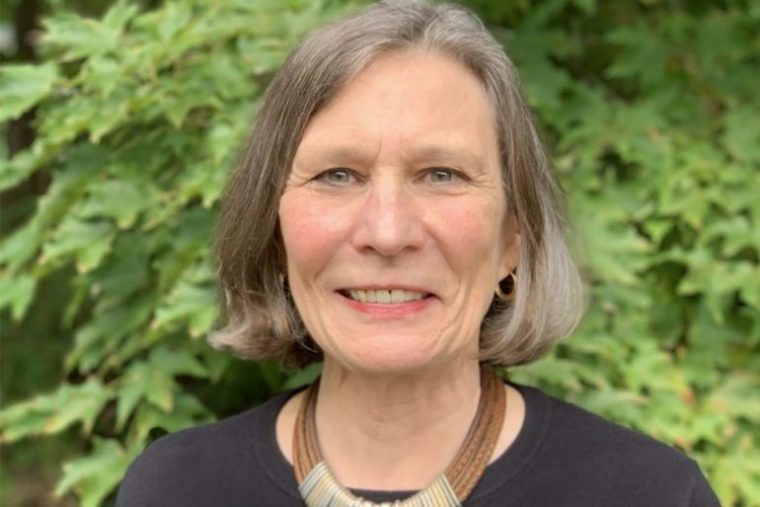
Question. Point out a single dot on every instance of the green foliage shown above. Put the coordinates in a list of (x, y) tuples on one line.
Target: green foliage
[(93, 477), (649, 108), (22, 86), (651, 111), (56, 411), (140, 115)]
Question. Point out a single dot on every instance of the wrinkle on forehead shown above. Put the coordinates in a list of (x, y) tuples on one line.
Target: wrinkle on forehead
[(372, 117), (408, 154)]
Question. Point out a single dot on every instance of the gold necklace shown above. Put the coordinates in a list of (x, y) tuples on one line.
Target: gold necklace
[(319, 487)]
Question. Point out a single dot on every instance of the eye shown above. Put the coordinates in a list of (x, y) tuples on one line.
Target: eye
[(442, 175), (338, 176)]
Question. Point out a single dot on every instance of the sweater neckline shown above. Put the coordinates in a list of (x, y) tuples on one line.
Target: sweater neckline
[(503, 469)]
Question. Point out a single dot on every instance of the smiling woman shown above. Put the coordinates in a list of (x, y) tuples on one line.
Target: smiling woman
[(421, 186), (290, 144), (394, 216)]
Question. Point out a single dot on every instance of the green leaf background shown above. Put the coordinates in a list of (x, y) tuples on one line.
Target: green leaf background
[(650, 111)]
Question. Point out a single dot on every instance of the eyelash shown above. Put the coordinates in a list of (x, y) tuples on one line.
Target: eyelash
[(455, 175), (325, 176)]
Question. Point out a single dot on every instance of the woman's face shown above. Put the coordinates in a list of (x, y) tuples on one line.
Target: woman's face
[(393, 217)]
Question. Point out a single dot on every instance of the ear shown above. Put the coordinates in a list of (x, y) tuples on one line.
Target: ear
[(511, 242)]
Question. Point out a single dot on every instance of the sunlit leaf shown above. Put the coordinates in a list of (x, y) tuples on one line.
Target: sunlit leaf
[(17, 292), (95, 475), (51, 413), (23, 85)]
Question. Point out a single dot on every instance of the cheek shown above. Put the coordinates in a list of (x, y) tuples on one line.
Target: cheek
[(309, 237), (471, 233)]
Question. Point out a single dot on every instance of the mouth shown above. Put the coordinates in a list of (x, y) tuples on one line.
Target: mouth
[(385, 296)]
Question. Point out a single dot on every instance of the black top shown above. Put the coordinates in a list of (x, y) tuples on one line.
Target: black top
[(563, 456)]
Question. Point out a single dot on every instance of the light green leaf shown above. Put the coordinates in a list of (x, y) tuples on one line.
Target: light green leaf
[(120, 14), (97, 340), (188, 411), (20, 246), (201, 180), (95, 475), (127, 269), (190, 303), (153, 381), (174, 16), (54, 412), (18, 168), (87, 242), (144, 382), (17, 292), (121, 200), (79, 37), (162, 390), (133, 387), (22, 86), (109, 114), (177, 362)]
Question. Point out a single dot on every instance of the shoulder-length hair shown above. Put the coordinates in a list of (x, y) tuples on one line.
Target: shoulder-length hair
[(262, 321)]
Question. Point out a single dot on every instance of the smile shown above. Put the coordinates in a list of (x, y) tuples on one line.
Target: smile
[(384, 296)]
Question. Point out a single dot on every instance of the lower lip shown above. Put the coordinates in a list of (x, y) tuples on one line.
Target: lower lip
[(388, 309)]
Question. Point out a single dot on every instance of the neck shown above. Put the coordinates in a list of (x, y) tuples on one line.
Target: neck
[(405, 429)]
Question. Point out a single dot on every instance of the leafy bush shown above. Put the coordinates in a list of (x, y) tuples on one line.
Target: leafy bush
[(650, 110), (652, 114)]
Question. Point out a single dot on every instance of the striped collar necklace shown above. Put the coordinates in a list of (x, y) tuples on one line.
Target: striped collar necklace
[(318, 487)]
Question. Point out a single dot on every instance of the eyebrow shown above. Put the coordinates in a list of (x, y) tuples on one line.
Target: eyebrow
[(435, 153), (347, 152)]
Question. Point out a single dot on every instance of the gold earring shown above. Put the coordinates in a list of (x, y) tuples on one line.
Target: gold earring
[(505, 289)]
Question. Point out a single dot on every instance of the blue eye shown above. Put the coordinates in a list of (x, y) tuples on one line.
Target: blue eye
[(336, 176), (443, 175)]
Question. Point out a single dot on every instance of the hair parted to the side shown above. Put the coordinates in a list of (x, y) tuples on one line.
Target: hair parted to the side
[(262, 321)]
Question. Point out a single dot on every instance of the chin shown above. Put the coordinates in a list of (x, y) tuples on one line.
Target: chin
[(389, 359)]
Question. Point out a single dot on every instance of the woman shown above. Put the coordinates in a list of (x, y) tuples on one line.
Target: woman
[(394, 215)]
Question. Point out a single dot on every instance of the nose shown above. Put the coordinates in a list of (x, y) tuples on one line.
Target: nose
[(390, 221)]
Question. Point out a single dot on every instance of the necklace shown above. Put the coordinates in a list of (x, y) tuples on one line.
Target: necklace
[(318, 487)]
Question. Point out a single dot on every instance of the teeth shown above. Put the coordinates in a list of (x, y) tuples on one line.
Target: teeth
[(385, 296)]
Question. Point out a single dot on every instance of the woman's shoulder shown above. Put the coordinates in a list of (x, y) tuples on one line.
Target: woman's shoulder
[(230, 434), (562, 443), (571, 428), (184, 467)]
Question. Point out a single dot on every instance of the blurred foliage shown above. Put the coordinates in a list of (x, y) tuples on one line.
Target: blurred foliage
[(650, 110)]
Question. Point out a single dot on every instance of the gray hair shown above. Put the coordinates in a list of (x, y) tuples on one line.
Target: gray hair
[(262, 321)]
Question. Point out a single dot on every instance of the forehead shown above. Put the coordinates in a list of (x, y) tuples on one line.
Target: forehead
[(414, 101)]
